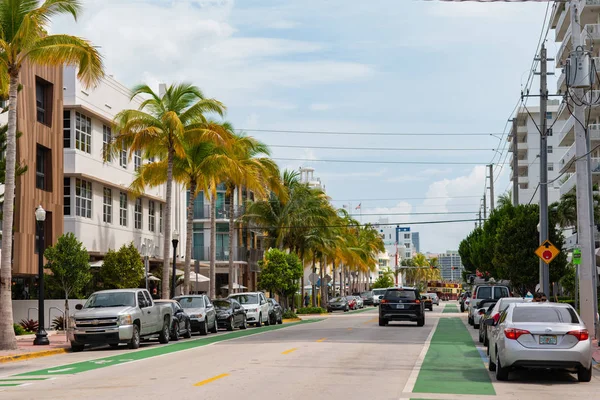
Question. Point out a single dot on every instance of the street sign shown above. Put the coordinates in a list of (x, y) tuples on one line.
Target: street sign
[(313, 278), (327, 279), (547, 252), (576, 256)]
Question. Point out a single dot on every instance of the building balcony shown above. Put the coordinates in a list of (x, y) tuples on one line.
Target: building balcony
[(557, 10), (564, 50), (588, 11), (591, 33), (202, 253), (561, 84), (568, 185), (566, 136), (562, 24), (564, 163), (222, 212)]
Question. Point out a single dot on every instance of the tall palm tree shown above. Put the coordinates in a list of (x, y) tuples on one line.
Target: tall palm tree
[(161, 127), (24, 39)]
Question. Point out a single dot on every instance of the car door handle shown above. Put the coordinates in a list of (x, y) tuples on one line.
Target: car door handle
[(149, 312)]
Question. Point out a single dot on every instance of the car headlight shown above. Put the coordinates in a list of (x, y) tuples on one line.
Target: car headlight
[(196, 316), (125, 319), (253, 310)]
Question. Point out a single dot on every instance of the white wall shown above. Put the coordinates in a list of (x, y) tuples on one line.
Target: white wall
[(20, 308)]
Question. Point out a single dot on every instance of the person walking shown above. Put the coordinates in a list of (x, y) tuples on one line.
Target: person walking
[(306, 300)]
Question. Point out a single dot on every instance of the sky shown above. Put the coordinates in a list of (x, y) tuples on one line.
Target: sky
[(348, 66)]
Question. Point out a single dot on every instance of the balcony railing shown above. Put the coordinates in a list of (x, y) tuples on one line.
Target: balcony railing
[(254, 256), (202, 253), (565, 161), (222, 212)]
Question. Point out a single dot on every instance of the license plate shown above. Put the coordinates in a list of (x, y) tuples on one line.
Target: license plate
[(547, 339), (399, 305)]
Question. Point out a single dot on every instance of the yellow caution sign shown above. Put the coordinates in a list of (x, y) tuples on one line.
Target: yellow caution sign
[(547, 252)]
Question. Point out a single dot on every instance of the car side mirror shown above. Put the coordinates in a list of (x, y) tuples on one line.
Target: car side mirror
[(79, 306), (489, 322), (262, 302), (481, 311)]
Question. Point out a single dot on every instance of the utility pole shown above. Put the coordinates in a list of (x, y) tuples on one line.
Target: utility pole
[(544, 268), (480, 218), (484, 206), (515, 161), (587, 271), (491, 187)]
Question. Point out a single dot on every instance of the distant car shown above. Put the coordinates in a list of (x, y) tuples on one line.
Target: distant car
[(402, 304), (359, 302), (434, 298), (257, 308), (377, 295), (203, 316), (367, 298), (485, 308), (540, 336), (338, 304), (462, 300), (180, 321), (352, 302), (427, 302), (275, 312), (483, 292), (230, 314)]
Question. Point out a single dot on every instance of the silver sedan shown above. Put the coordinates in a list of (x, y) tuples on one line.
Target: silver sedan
[(540, 336)]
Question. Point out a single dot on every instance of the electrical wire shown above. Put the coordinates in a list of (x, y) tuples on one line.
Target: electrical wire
[(378, 148), (384, 162), (411, 198), (356, 225), (416, 213), (370, 133)]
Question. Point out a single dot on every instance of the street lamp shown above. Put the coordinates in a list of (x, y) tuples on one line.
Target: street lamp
[(341, 284), (41, 337), (175, 242), (371, 279)]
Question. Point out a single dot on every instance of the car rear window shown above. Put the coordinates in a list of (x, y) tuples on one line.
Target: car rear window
[(484, 292), (400, 294), (500, 292), (545, 314)]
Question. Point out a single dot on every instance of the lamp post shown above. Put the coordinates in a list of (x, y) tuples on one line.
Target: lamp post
[(41, 337), (371, 281), (175, 242)]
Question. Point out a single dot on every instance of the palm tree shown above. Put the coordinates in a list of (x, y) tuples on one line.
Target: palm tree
[(24, 39), (505, 199), (161, 127)]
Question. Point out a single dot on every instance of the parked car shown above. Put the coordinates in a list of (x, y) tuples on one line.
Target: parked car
[(230, 314), (463, 299), (119, 316), (256, 306), (359, 302), (434, 298), (352, 302), (338, 304), (401, 304), (275, 312), (203, 316), (540, 335), (427, 302), (180, 321), (501, 305), (367, 298), (377, 295), (483, 292), (486, 307)]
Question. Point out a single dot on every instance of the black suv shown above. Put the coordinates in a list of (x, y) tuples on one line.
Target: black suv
[(401, 304)]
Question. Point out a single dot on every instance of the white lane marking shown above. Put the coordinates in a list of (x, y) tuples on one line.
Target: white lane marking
[(412, 379), (60, 370)]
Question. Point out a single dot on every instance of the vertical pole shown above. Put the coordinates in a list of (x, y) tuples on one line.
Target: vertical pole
[(41, 337), (174, 277), (146, 261), (491, 187), (480, 218), (587, 269), (515, 144), (543, 267), (484, 206)]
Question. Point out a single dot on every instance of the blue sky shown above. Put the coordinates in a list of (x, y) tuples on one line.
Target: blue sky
[(350, 66)]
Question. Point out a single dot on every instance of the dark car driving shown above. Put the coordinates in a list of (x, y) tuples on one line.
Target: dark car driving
[(338, 304), (180, 321), (275, 312), (230, 314), (401, 304)]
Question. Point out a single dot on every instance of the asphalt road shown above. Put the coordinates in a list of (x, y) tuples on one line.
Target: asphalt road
[(341, 357)]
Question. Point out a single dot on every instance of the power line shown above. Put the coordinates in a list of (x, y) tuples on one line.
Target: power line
[(411, 198), (379, 148), (365, 224), (371, 133), (385, 162), (415, 213)]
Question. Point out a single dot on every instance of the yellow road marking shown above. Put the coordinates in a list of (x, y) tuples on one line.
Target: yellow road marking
[(371, 321), (349, 329), (322, 340), (290, 351), (209, 380)]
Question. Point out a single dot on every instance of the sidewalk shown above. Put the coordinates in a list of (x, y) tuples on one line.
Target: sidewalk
[(595, 351), (26, 351)]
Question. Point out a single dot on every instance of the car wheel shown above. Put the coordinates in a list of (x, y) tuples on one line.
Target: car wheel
[(203, 328), (501, 372), (486, 343), (163, 336), (76, 347), (188, 330), (421, 321), (175, 335), (244, 324), (480, 337), (280, 321), (134, 343), (259, 323), (230, 324), (491, 364), (475, 326), (382, 321), (470, 320), (584, 374), (329, 310), (268, 321), (214, 328), (346, 309)]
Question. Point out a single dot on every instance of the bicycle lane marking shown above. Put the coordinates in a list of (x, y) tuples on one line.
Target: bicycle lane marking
[(412, 379), (84, 366)]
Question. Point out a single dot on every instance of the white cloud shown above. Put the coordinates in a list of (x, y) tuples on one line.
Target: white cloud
[(436, 171)]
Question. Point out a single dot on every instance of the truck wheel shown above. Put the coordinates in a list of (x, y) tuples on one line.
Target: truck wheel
[(175, 336), (76, 347), (259, 323), (188, 330), (163, 336), (134, 343)]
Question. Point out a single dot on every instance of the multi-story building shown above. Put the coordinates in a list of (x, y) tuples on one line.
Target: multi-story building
[(450, 266), (416, 242), (528, 144), (307, 175)]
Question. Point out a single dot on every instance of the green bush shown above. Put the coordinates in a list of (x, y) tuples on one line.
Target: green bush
[(571, 302), (58, 323), (19, 330), (289, 315), (29, 325), (311, 310)]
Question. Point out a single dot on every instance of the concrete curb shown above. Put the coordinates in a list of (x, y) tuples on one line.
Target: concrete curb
[(288, 320), (32, 355)]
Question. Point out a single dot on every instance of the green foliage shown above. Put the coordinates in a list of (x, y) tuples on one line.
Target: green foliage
[(68, 261), (122, 269), (19, 330), (280, 273), (568, 281), (385, 280), (29, 325), (311, 310), (289, 315)]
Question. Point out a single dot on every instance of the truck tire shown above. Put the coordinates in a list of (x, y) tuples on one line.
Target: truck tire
[(165, 332), (77, 347), (134, 343)]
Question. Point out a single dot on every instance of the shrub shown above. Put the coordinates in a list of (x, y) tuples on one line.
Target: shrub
[(289, 315), (571, 302), (19, 330), (58, 323), (311, 310), (29, 325)]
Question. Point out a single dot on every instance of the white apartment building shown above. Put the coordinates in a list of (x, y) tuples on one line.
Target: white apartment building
[(398, 242), (99, 208), (528, 151), (307, 175)]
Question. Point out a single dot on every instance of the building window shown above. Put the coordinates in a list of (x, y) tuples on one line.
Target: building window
[(107, 206), (67, 196), (407, 236), (43, 101), (151, 217), (137, 159), (123, 209), (407, 254), (83, 198), (123, 157), (550, 166), (160, 218), (550, 150), (67, 129), (106, 139), (137, 213), (548, 115), (43, 168), (83, 133), (407, 245)]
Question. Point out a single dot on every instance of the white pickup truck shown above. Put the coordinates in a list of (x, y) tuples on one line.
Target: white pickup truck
[(118, 316)]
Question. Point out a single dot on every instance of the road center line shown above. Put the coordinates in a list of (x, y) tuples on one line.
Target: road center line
[(290, 351), (412, 379), (322, 340), (209, 380)]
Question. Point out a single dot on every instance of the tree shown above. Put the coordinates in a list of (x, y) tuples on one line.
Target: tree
[(296, 271), (69, 263), (161, 127), (123, 269), (385, 280), (24, 39), (275, 272), (568, 280)]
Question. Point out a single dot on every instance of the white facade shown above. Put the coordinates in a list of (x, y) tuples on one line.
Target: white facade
[(398, 242), (99, 207), (528, 149), (307, 175), (451, 267)]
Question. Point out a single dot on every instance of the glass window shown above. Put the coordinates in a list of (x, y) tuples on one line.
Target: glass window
[(222, 304), (137, 213), (112, 299), (500, 292), (137, 159), (67, 129), (545, 314), (43, 165), (400, 294), (407, 236), (107, 206), (67, 196), (123, 158), (122, 209), (407, 245), (160, 217), (550, 150), (83, 198), (43, 101), (484, 292), (83, 133), (141, 298), (550, 166), (106, 139), (191, 302), (151, 217), (246, 298), (407, 254)]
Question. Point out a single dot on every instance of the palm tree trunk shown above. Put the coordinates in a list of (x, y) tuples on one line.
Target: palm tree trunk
[(313, 294), (8, 340), (333, 277), (231, 233), (213, 244), (188, 238), (322, 281), (167, 232)]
